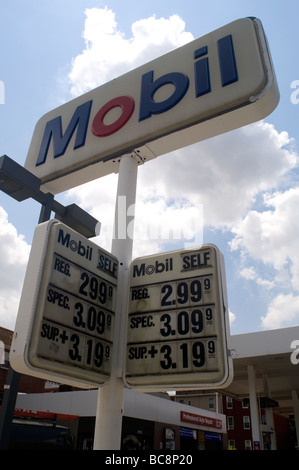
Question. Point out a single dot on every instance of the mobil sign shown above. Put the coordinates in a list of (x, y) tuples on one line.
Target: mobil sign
[(212, 85)]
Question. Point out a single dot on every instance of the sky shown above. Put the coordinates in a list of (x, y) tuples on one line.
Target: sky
[(239, 191)]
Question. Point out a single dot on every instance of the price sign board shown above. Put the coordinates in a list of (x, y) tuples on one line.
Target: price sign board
[(178, 321), (64, 328)]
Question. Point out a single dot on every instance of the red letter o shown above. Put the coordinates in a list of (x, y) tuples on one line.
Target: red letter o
[(127, 105)]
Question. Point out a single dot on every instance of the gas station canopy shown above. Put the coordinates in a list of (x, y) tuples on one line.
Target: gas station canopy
[(272, 354)]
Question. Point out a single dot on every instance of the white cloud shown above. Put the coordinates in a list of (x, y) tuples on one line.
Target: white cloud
[(282, 312), (14, 253), (271, 236), (225, 174), (98, 198), (249, 273), (232, 317), (108, 54)]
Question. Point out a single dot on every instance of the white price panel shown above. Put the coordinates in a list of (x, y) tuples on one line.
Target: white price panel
[(178, 321), (70, 321)]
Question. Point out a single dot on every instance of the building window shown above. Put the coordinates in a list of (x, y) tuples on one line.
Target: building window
[(264, 419), (4, 359), (231, 444), (245, 403), (229, 402), (246, 422), (230, 422), (248, 445), (211, 403)]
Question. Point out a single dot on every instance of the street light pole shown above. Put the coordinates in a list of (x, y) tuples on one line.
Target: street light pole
[(13, 378), (20, 184)]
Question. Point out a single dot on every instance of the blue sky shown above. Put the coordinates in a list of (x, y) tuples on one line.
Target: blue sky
[(245, 181)]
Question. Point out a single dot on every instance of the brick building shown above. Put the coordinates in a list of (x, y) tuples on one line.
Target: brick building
[(237, 412), (27, 383)]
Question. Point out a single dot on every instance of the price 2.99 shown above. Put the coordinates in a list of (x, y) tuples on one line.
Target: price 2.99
[(184, 292), (95, 289)]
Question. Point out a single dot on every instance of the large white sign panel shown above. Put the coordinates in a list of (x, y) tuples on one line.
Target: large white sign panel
[(178, 322), (217, 83), (64, 328)]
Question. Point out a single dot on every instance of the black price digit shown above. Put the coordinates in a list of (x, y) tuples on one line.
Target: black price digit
[(98, 354), (74, 353), (167, 290), (167, 363), (195, 291), (108, 321), (78, 318), (110, 291), (103, 292), (85, 279), (211, 347), (89, 345), (209, 314), (182, 292), (101, 318), (91, 318), (196, 321), (167, 328), (198, 354), (93, 288), (95, 353), (184, 349), (183, 323)]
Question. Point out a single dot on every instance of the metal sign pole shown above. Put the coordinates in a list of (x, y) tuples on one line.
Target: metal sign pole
[(110, 404)]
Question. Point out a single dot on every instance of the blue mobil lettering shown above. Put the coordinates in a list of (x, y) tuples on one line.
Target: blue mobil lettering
[(157, 267), (148, 106), (79, 247)]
